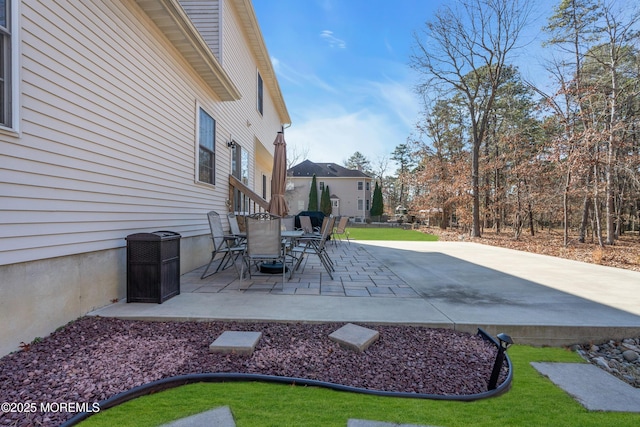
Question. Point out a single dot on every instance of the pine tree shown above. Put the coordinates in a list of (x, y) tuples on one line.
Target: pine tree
[(325, 201), (313, 195), (358, 161), (377, 206)]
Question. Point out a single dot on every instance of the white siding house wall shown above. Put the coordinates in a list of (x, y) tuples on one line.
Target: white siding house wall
[(206, 16), (240, 120), (107, 148), (256, 133)]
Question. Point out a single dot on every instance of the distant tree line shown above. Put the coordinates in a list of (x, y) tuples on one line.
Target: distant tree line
[(494, 151)]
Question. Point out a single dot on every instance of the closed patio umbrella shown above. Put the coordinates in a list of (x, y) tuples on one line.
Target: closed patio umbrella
[(278, 204)]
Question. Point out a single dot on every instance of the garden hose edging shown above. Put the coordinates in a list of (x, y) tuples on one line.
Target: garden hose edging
[(180, 380)]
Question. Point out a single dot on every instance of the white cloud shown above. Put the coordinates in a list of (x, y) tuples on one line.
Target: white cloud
[(332, 40), (334, 137), (369, 116), (276, 63), (399, 99), (283, 71)]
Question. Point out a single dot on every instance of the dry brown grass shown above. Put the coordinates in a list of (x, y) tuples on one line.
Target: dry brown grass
[(624, 254)]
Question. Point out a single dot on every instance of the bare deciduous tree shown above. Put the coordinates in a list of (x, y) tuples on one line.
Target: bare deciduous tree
[(464, 50), (296, 154)]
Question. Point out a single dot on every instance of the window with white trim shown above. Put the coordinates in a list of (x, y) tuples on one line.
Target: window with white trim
[(6, 81), (207, 148), (360, 185)]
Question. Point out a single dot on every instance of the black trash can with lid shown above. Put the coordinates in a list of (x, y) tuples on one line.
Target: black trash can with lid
[(153, 266)]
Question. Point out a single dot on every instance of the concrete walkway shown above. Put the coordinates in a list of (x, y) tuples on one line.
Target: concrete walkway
[(536, 299)]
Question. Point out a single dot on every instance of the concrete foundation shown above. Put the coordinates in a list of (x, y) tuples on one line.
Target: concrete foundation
[(37, 297)]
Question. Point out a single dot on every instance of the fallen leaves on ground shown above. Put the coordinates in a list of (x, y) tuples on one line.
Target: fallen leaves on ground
[(624, 254)]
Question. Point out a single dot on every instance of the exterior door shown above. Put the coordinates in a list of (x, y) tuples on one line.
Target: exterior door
[(240, 170)]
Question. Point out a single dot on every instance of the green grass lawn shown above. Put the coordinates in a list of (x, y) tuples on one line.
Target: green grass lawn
[(389, 233), (532, 401)]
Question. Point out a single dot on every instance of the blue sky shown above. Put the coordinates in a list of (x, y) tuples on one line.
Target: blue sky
[(343, 68)]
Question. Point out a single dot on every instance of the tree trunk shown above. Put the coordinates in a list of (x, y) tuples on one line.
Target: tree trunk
[(518, 219), (609, 190), (531, 228), (499, 198), (596, 207), (565, 209), (475, 183), (586, 206), (444, 223)]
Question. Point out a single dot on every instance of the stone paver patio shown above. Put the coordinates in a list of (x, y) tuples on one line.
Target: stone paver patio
[(357, 274)]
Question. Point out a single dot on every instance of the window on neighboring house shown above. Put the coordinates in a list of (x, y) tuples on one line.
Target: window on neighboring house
[(260, 95), (367, 186), (6, 106), (368, 208), (321, 185), (207, 144), (360, 185), (360, 204)]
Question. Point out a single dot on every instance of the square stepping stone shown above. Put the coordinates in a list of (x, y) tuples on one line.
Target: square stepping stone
[(220, 417), (239, 342), (354, 337), (592, 387)]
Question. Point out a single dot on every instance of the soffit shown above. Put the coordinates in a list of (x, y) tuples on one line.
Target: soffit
[(174, 23)]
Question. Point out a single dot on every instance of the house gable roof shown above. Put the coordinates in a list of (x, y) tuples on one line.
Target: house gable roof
[(324, 170)]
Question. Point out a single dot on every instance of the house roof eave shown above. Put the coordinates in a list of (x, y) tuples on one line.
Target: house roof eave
[(174, 23), (249, 21)]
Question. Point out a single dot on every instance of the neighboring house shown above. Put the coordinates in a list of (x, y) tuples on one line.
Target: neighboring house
[(351, 190), (116, 117)]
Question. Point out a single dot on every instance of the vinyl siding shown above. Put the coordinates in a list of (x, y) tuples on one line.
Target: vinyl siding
[(256, 132), (108, 133), (107, 147), (206, 16)]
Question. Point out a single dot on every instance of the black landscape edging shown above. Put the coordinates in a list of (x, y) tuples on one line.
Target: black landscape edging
[(180, 380)]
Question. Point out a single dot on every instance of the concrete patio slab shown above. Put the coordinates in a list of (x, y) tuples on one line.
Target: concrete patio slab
[(536, 299)]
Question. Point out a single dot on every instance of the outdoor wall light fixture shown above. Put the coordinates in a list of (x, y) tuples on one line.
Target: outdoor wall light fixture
[(231, 143), (505, 342)]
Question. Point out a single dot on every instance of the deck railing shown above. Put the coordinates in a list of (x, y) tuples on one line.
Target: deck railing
[(244, 200)]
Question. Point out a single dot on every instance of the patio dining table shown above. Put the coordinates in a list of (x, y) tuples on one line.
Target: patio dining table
[(291, 235), (290, 239)]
